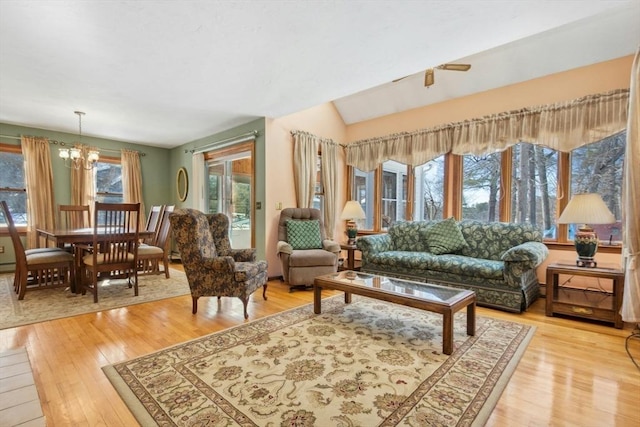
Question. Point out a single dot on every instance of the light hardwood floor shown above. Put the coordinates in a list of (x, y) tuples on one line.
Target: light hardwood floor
[(573, 373)]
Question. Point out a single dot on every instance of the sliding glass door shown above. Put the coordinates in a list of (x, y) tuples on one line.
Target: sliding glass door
[(230, 190)]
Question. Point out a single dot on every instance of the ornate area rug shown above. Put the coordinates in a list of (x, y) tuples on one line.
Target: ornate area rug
[(56, 303), (370, 363)]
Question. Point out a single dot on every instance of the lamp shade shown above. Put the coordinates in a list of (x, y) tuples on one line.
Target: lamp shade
[(586, 208), (352, 210)]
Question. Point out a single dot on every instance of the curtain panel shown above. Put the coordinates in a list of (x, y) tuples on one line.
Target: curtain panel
[(83, 184), (561, 126), (631, 209), (305, 154), (39, 183), (132, 181), (198, 171)]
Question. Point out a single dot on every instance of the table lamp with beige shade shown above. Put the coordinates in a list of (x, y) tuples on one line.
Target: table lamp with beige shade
[(586, 209), (352, 211)]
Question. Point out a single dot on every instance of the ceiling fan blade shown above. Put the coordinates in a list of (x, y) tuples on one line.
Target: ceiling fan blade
[(428, 77), (454, 67)]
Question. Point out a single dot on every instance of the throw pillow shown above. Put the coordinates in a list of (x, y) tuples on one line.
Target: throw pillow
[(304, 234), (445, 237)]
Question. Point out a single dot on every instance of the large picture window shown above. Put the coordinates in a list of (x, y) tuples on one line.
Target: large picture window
[(534, 184), (364, 192), (526, 183), (12, 183), (597, 168), (429, 190), (481, 187), (109, 181), (394, 192)]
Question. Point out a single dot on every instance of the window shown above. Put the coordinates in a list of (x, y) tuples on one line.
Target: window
[(364, 192), (109, 181), (481, 187), (526, 183), (394, 192), (597, 168), (12, 183), (534, 181), (429, 190)]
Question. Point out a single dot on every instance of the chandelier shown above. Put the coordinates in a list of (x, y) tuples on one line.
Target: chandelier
[(74, 157)]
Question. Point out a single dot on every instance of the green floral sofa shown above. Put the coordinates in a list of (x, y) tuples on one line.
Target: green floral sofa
[(496, 260)]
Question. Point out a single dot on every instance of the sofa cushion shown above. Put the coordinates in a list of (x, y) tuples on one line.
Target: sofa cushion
[(409, 236), (312, 258), (304, 234), (444, 237), (491, 240), (466, 266)]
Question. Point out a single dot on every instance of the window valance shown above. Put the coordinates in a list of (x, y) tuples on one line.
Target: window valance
[(561, 126)]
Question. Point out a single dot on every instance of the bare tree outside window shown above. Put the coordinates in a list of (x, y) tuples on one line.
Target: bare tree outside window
[(481, 187), (534, 183), (597, 168)]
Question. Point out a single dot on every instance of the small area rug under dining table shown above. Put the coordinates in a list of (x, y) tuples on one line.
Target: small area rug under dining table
[(369, 363), (55, 303)]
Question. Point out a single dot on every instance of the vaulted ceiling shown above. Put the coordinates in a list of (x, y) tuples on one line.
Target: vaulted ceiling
[(163, 73)]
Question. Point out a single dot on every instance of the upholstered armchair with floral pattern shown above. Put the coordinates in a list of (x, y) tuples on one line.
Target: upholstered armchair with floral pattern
[(212, 267)]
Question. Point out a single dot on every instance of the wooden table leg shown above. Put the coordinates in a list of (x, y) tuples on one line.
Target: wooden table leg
[(618, 289), (447, 332), (471, 319), (317, 299), (347, 297)]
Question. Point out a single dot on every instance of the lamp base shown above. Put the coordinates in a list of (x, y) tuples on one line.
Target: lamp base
[(589, 263), (586, 243)]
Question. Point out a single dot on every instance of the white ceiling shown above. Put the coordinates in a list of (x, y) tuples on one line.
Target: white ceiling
[(163, 73)]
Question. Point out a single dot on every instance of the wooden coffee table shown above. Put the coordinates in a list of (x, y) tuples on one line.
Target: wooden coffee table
[(425, 296)]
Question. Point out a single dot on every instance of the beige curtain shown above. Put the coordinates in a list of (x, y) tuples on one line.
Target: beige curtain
[(630, 195), (83, 184), (39, 183), (305, 154), (562, 126), (413, 148), (132, 180), (329, 177), (198, 183)]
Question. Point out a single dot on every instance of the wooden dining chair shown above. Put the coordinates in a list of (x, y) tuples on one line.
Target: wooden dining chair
[(74, 216), (114, 248), (150, 255), (153, 223), (37, 268)]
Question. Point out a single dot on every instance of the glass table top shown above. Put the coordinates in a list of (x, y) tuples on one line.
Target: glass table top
[(426, 291)]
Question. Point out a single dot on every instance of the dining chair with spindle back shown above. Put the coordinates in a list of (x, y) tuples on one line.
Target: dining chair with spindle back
[(37, 268), (153, 223), (74, 216), (114, 248), (150, 255)]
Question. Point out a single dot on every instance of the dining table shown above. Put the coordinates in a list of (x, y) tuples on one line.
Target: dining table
[(76, 236)]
